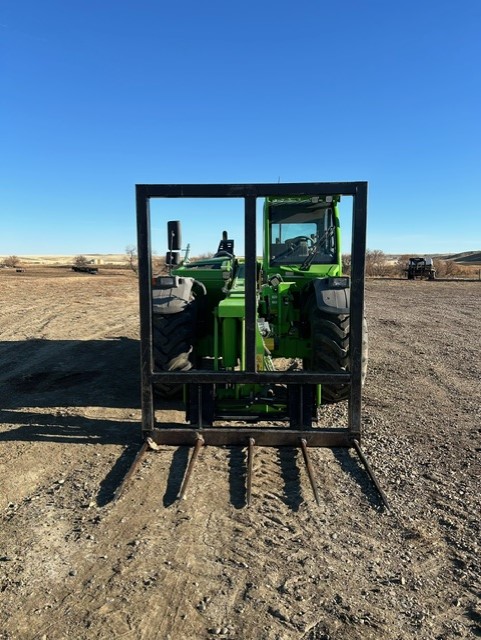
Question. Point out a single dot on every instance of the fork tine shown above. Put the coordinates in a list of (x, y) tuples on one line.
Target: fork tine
[(310, 471), (250, 461)]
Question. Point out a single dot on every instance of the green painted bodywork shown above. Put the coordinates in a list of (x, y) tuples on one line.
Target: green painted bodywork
[(284, 282)]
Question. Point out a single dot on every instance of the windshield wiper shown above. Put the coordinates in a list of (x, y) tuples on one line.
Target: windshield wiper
[(315, 249)]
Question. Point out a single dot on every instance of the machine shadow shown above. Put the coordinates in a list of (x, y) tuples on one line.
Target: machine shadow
[(237, 477), (70, 373), (54, 427), (353, 467), (42, 380), (114, 478), (78, 430), (288, 462), (178, 468)]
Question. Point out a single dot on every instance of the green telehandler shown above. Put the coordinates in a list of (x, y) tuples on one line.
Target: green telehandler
[(252, 347)]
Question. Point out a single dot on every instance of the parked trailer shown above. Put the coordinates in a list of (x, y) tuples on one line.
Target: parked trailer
[(420, 268)]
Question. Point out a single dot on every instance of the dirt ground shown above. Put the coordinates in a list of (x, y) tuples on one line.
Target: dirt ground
[(73, 564)]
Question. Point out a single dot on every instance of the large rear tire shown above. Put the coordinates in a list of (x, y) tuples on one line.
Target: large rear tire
[(330, 349), (173, 342)]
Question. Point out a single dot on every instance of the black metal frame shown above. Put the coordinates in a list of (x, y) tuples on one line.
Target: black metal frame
[(248, 436), (250, 192)]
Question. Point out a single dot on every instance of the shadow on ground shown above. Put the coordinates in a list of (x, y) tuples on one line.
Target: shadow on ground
[(352, 466), (58, 374), (67, 373)]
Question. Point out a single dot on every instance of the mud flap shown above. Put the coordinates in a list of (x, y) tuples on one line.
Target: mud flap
[(332, 299)]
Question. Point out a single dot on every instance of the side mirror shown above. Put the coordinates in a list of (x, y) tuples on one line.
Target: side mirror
[(174, 242)]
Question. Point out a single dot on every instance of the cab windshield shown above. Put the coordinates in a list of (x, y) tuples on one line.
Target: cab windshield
[(302, 233)]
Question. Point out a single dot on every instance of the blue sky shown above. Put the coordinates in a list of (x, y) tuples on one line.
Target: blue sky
[(99, 96)]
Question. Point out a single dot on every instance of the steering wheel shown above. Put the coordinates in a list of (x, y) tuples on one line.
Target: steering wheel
[(297, 240)]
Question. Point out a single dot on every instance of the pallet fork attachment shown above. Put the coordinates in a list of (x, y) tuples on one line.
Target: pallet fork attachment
[(250, 437)]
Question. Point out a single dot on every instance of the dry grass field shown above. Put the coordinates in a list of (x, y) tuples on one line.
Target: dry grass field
[(73, 564)]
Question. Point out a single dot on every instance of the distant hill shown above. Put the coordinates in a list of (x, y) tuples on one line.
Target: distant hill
[(466, 257), (62, 260)]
